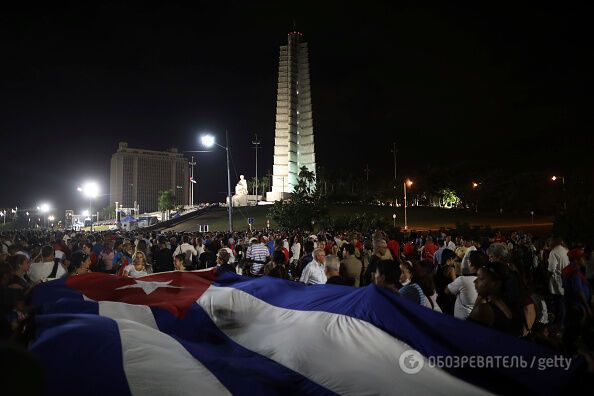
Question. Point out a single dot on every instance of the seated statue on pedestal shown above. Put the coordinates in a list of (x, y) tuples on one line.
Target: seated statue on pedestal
[(241, 192)]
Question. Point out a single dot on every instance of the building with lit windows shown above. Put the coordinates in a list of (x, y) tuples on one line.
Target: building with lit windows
[(137, 176)]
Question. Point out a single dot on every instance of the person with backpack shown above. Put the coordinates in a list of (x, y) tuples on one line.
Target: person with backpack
[(48, 269), (188, 251)]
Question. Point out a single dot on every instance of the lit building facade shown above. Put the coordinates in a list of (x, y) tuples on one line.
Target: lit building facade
[(137, 176)]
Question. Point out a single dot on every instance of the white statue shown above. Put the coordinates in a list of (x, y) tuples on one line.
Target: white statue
[(241, 186)]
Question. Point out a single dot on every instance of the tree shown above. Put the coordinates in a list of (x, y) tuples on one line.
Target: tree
[(166, 201), (448, 198), (264, 184), (252, 183), (108, 212), (304, 206)]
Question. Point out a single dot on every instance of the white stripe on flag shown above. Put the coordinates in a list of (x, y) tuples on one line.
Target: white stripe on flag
[(341, 353), (138, 313), (154, 362)]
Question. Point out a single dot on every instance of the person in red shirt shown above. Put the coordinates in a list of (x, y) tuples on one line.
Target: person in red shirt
[(279, 246), (88, 250), (394, 247), (328, 247), (428, 249), (409, 249), (356, 242)]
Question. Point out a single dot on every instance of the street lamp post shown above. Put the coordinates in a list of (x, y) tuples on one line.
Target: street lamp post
[(531, 217), (90, 190), (394, 218), (554, 178), (394, 151), (407, 183), (474, 187), (256, 144), (209, 141), (44, 208), (192, 163)]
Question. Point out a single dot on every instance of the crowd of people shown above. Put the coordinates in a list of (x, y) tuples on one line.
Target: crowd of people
[(535, 288)]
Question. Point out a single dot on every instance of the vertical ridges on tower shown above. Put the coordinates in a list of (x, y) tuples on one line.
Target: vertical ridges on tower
[(294, 140)]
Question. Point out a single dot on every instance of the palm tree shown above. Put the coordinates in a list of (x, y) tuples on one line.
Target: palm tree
[(166, 201), (252, 184), (264, 184)]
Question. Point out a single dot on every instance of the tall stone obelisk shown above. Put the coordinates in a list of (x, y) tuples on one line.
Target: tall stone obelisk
[(294, 135)]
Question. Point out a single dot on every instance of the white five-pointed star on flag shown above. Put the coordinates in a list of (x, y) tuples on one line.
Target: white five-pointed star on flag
[(148, 287)]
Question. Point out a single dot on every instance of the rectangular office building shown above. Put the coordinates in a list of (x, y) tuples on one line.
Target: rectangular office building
[(137, 177)]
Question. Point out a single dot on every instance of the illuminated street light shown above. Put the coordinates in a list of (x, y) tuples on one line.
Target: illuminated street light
[(44, 208), (555, 178), (474, 187), (209, 141), (407, 183), (90, 190)]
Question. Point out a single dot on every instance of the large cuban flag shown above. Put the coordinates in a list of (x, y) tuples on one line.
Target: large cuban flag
[(209, 333)]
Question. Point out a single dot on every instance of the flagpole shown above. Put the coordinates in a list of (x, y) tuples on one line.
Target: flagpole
[(192, 182)]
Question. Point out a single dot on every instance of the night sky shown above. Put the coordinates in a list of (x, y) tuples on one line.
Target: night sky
[(473, 87)]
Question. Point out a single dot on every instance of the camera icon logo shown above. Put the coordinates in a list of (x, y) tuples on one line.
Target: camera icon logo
[(411, 361)]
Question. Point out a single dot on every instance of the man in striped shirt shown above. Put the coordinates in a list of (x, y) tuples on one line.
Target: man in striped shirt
[(258, 253)]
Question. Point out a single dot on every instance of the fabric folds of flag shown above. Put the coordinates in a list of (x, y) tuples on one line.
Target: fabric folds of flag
[(205, 332)]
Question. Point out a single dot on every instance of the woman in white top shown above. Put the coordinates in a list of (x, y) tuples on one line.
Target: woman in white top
[(463, 286), (296, 249), (179, 262), (138, 266)]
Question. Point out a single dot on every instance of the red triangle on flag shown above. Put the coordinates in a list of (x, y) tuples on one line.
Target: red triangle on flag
[(173, 291)]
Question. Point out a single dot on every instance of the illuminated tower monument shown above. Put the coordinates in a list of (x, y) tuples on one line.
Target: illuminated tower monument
[(294, 135)]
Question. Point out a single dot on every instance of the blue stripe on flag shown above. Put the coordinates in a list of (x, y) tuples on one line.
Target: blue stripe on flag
[(239, 369), (98, 368), (431, 333), (52, 291)]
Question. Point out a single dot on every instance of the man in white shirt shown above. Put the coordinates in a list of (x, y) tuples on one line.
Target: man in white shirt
[(185, 247), (314, 273), (465, 264), (48, 269), (449, 244), (558, 260)]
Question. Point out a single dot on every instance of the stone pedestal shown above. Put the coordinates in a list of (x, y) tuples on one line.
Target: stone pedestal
[(277, 196), (240, 200)]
